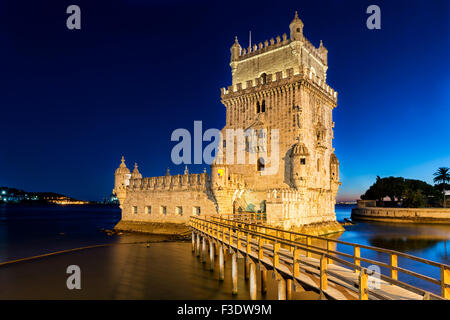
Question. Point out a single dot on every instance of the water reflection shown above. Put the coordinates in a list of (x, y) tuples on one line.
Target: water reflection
[(402, 244)]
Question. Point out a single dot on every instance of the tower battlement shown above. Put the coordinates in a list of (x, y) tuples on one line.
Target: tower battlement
[(169, 182), (279, 42), (279, 79)]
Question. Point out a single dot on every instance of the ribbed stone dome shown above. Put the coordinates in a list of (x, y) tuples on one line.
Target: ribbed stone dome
[(136, 174), (122, 169), (299, 149)]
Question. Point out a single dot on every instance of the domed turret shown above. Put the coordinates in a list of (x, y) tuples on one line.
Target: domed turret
[(121, 181), (299, 149), (334, 168), (323, 52), (136, 174), (300, 157), (235, 50), (122, 169), (296, 28)]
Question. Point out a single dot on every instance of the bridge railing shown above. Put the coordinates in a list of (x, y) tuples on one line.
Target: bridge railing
[(249, 217), (297, 242)]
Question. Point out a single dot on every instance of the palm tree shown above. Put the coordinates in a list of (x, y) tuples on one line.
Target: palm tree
[(442, 175)]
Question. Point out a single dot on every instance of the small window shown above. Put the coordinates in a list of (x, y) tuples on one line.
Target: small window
[(263, 106), (298, 29), (258, 107), (224, 143), (302, 160), (134, 210), (196, 211), (179, 211), (264, 78), (148, 209), (163, 210)]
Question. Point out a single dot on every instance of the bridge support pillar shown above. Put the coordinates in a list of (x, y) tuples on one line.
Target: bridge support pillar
[(234, 273), (281, 289), (247, 268), (289, 289), (221, 263), (252, 268), (198, 245), (203, 258), (263, 281), (211, 255)]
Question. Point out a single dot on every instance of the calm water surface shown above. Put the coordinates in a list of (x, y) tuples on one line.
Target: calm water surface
[(129, 268)]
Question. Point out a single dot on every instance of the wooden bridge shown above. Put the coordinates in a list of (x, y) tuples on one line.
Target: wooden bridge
[(308, 262)]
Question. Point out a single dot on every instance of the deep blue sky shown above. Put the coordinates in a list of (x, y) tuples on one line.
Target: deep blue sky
[(72, 102)]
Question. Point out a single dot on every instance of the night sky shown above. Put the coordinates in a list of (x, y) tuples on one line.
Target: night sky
[(74, 101)]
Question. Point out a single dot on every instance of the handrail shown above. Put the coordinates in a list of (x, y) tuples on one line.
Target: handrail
[(382, 250), (293, 244)]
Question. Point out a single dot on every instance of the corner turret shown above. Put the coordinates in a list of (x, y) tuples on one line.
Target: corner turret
[(300, 157), (136, 174), (235, 50), (296, 28), (121, 181)]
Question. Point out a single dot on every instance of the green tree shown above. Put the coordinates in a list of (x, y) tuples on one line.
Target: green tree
[(442, 175), (412, 193)]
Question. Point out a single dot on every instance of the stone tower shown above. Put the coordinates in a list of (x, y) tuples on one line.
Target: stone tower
[(276, 155), (280, 85)]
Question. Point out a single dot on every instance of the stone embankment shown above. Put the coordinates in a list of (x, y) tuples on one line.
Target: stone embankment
[(364, 211)]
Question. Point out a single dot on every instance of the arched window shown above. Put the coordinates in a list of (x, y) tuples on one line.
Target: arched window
[(263, 106), (258, 107), (260, 164)]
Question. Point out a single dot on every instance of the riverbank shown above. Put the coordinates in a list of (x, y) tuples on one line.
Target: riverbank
[(158, 228), (402, 215)]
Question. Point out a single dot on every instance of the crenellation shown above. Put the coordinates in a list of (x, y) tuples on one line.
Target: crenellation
[(288, 77)]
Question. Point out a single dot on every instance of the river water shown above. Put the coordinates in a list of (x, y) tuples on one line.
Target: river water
[(134, 266)]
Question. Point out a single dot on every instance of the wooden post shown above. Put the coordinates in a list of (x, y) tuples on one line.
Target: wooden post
[(238, 236), (249, 247), (223, 234), (308, 244), (445, 281), (198, 245), (211, 255), (394, 272), (247, 268), (263, 281), (296, 265), (260, 248), (363, 294), (252, 281), (323, 274), (193, 241), (203, 257), (221, 263), (276, 256), (281, 289), (329, 249), (357, 255), (289, 289), (234, 273)]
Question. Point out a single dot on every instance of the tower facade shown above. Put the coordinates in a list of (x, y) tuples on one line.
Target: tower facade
[(279, 86)]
